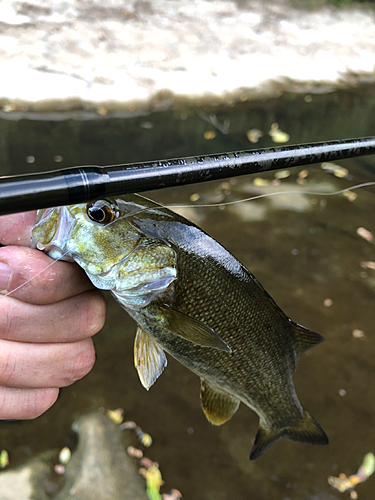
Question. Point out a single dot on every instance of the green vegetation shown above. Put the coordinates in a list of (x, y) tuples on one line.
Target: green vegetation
[(313, 4)]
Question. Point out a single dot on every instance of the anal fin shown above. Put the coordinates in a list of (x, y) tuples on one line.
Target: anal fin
[(149, 358), (218, 406)]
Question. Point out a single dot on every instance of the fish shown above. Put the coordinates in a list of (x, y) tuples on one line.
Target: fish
[(191, 298)]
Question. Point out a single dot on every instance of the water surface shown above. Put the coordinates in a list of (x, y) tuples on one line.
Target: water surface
[(305, 250)]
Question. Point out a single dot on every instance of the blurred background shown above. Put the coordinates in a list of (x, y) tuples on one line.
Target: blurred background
[(87, 83)]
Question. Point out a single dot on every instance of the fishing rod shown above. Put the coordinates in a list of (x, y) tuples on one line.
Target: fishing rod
[(88, 183)]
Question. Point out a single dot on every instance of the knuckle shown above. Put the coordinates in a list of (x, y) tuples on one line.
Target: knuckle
[(81, 363), (8, 365), (25, 404), (49, 283), (93, 318), (45, 283), (31, 279), (15, 228), (6, 317), (39, 401)]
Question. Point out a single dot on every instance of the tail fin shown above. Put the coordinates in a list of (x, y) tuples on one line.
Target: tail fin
[(306, 431)]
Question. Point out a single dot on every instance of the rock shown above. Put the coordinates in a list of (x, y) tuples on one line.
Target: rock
[(27, 481), (100, 468), (126, 53)]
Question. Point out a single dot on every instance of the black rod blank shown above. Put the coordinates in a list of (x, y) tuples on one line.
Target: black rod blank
[(88, 183)]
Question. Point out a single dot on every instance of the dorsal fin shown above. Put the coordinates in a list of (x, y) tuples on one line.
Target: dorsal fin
[(304, 338)]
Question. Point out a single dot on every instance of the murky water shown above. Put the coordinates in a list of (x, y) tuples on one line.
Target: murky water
[(305, 250)]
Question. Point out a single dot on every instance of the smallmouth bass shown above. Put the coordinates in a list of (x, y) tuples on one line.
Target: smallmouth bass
[(193, 299)]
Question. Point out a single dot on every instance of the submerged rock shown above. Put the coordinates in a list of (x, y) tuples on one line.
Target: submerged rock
[(27, 482), (100, 468)]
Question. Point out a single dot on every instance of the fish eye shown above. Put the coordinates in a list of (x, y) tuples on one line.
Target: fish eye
[(100, 212)]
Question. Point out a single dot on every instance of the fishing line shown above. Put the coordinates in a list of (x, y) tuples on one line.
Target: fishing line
[(35, 276), (265, 195), (215, 205)]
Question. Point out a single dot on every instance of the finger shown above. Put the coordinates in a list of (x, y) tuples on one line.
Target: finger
[(15, 228), (36, 278), (25, 403), (69, 320), (28, 366)]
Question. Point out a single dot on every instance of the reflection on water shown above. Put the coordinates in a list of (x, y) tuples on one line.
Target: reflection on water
[(307, 252)]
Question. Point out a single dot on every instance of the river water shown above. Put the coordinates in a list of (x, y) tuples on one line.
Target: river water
[(306, 249)]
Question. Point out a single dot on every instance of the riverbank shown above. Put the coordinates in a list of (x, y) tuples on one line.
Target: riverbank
[(72, 54)]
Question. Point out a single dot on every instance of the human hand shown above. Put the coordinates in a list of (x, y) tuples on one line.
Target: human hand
[(45, 325)]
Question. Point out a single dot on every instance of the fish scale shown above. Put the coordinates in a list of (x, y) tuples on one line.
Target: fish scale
[(194, 300)]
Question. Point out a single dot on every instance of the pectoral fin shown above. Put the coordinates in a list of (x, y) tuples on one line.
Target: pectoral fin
[(218, 406), (149, 358), (192, 329)]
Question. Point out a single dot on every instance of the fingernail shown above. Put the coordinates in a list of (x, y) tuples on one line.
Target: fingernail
[(4, 275)]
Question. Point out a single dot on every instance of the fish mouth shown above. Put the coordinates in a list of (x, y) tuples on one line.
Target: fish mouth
[(51, 232), (104, 274), (55, 252)]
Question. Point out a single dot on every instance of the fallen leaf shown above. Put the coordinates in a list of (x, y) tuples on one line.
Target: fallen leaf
[(258, 181), (254, 135), (365, 234), (358, 334), (65, 455), (282, 174), (209, 134), (117, 416)]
